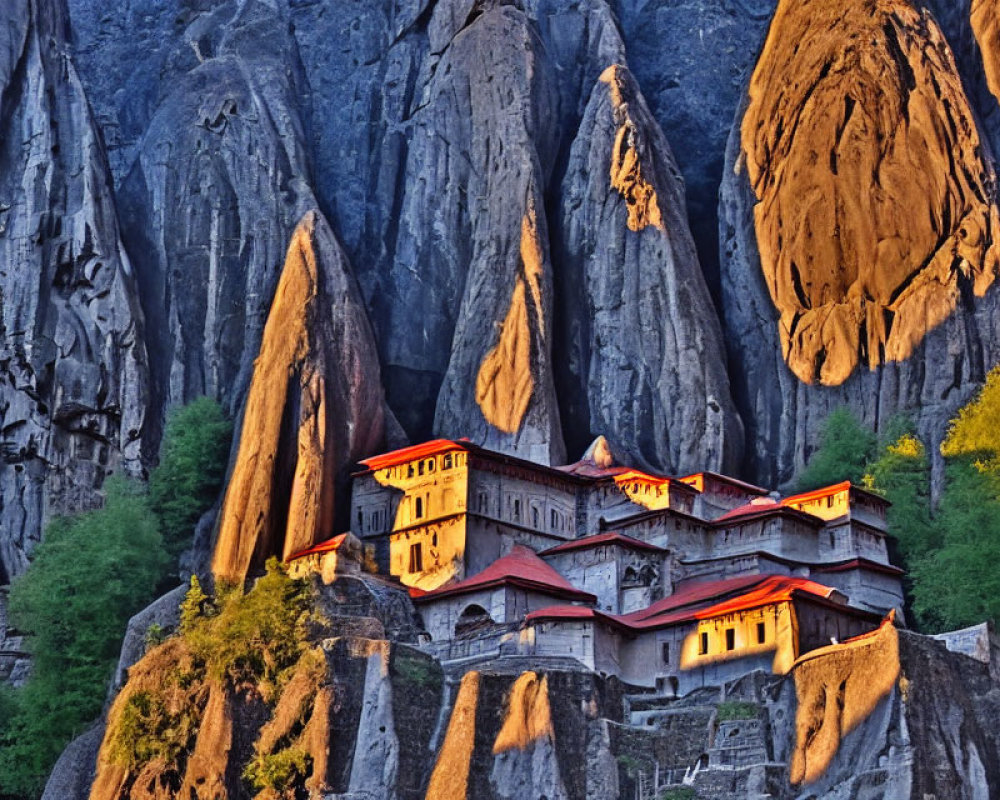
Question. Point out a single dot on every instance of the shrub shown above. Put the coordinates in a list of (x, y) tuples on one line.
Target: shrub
[(734, 709)]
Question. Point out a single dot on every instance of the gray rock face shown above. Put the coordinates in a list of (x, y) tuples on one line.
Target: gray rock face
[(692, 58), (73, 773), (72, 362), (218, 184), (642, 343)]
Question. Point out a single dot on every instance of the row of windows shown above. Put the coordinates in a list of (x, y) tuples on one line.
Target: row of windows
[(730, 637), (532, 514), (426, 466)]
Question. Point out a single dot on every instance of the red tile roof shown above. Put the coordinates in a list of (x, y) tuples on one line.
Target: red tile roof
[(521, 567), (611, 537), (415, 452), (761, 504), (731, 595), (329, 546)]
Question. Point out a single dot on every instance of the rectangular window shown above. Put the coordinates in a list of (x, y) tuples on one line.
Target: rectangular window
[(420, 508), (516, 514), (703, 644), (420, 468), (534, 517), (446, 461), (431, 465), (761, 633), (730, 638), (416, 558), (665, 651), (409, 470)]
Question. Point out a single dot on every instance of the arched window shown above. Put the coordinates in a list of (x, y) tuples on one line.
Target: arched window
[(474, 619)]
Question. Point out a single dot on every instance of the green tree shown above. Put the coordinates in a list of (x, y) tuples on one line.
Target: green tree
[(957, 583), (88, 576), (846, 447), (191, 470)]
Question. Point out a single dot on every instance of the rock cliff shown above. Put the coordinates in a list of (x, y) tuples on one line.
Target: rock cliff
[(315, 408), (826, 263), (633, 356), (72, 358), (356, 710)]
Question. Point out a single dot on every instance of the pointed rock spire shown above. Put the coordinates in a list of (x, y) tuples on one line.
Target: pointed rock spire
[(645, 359), (315, 407)]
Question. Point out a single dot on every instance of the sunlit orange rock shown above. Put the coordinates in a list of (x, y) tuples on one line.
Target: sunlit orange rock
[(875, 206), (450, 778), (837, 688), (315, 407), (986, 26)]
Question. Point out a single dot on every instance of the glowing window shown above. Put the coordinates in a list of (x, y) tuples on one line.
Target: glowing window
[(703, 643), (730, 638), (761, 633), (416, 558)]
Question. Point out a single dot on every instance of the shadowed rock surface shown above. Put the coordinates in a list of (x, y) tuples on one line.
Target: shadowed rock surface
[(641, 342), (218, 183), (315, 408), (73, 378)]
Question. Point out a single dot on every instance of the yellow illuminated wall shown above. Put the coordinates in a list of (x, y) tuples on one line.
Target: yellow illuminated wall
[(833, 506), (780, 638), (427, 536)]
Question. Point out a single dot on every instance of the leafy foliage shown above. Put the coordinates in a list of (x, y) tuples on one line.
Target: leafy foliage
[(846, 447), (246, 641), (901, 474), (956, 583), (735, 709), (89, 575), (974, 433), (277, 771), (256, 637), (191, 470)]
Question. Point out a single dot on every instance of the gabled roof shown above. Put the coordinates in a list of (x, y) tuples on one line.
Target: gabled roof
[(826, 491), (522, 568), (328, 546), (718, 598), (600, 539)]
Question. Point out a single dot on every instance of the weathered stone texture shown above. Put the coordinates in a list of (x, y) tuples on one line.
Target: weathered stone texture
[(875, 207), (219, 181), (986, 26), (72, 361), (315, 408), (642, 342), (953, 227)]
